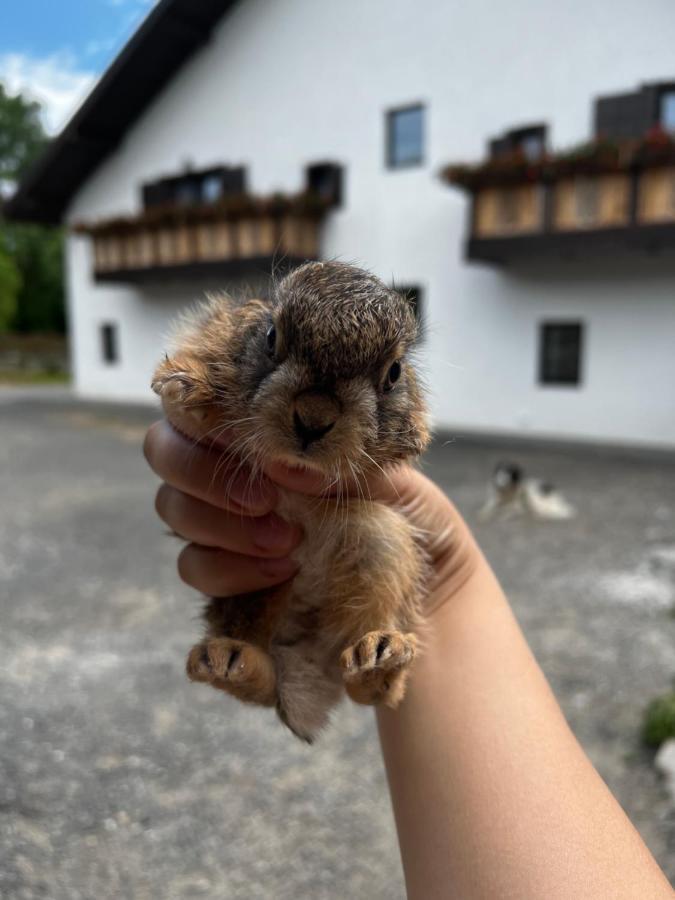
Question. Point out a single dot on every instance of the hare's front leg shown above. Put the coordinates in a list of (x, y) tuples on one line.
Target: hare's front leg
[(375, 669), (183, 383), (237, 667), (381, 608)]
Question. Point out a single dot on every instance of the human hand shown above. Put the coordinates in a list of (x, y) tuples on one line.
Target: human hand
[(237, 543)]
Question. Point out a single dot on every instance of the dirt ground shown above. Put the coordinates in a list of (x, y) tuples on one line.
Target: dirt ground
[(118, 779)]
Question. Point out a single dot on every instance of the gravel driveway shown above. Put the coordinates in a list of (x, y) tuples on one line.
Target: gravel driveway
[(119, 779)]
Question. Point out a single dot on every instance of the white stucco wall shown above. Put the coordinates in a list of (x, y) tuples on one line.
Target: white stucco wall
[(289, 82)]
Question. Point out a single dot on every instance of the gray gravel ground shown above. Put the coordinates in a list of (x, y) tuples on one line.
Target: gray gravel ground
[(118, 779)]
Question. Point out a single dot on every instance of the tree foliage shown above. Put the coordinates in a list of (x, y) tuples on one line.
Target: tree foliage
[(10, 284), (22, 137), (31, 267), (37, 253)]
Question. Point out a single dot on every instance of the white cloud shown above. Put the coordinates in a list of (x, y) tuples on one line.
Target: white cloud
[(56, 82), (94, 48)]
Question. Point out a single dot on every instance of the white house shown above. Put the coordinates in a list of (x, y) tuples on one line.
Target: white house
[(570, 340)]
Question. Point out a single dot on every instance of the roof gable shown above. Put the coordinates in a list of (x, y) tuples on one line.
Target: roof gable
[(168, 37)]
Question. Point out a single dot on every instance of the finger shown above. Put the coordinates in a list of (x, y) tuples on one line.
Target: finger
[(199, 522), (300, 479), (201, 472), (392, 485), (221, 573)]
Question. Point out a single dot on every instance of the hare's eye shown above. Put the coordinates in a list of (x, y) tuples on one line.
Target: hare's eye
[(271, 340), (393, 375)]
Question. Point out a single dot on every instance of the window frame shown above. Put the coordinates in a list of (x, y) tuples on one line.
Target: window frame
[(390, 114), (545, 378), (109, 343)]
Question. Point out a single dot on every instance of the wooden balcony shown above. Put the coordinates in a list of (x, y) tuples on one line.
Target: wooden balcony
[(601, 200), (242, 236)]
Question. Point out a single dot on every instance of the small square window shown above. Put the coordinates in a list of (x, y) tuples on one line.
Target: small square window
[(325, 180), (109, 343), (212, 188), (560, 353), (667, 110), (405, 137), (532, 146)]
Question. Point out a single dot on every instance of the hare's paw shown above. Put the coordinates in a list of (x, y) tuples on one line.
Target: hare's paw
[(172, 387), (375, 668), (241, 669), (185, 391), (385, 650)]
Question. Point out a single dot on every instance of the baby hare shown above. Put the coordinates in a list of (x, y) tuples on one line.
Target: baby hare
[(319, 376)]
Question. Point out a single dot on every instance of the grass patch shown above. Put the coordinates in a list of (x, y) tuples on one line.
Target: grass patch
[(659, 721), (20, 376)]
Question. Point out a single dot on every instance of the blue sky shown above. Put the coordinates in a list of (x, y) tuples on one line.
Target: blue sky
[(54, 50)]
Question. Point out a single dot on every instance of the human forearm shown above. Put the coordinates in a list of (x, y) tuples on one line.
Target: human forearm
[(492, 794)]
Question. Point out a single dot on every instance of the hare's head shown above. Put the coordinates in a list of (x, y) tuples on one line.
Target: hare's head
[(320, 376), (330, 381)]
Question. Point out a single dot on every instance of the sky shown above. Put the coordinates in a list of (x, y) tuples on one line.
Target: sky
[(54, 50)]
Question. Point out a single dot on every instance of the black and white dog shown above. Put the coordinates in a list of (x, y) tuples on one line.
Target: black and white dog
[(511, 494)]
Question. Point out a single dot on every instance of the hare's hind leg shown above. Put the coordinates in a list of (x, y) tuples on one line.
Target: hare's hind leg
[(237, 667), (375, 669)]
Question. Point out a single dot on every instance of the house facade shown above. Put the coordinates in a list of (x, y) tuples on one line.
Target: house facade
[(365, 104)]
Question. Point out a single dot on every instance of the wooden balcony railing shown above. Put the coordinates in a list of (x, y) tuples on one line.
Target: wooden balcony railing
[(240, 235), (618, 196)]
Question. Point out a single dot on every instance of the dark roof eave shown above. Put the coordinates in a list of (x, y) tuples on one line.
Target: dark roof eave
[(170, 34)]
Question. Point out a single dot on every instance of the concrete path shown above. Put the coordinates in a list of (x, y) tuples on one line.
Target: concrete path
[(118, 779)]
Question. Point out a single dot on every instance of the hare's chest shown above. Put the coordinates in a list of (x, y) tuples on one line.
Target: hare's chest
[(330, 529)]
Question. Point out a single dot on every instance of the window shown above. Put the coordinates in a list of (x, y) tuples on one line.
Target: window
[(667, 109), (211, 188), (532, 146), (405, 137), (530, 141), (560, 353), (191, 188), (109, 343), (325, 180)]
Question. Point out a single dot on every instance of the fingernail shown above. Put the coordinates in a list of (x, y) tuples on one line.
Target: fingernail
[(258, 494), (271, 532), (278, 568)]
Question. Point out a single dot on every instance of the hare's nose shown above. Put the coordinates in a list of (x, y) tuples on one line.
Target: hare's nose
[(314, 414), (309, 433)]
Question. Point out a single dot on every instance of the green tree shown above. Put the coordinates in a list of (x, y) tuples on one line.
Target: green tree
[(38, 255), (22, 137), (10, 283), (34, 252)]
